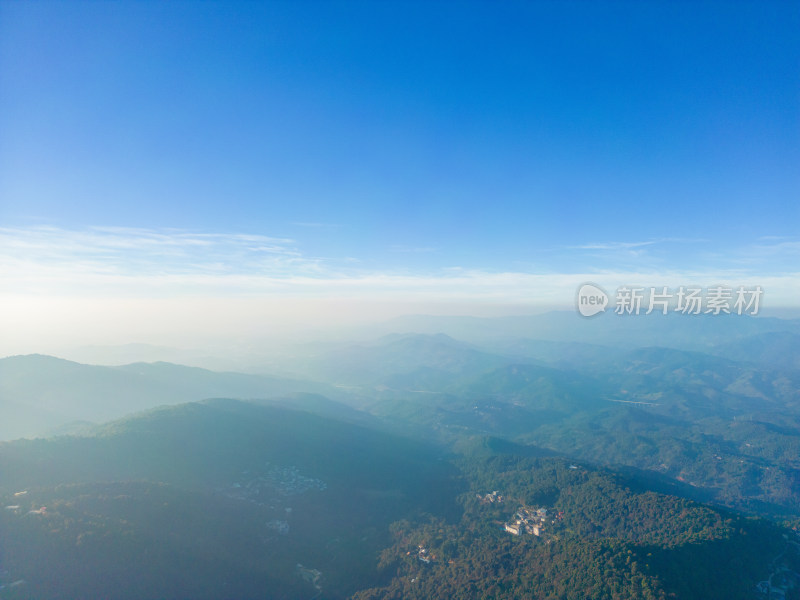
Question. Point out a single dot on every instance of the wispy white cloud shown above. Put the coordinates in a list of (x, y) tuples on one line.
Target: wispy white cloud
[(620, 245), (780, 247), (316, 225), (135, 252), (772, 238), (412, 249), (767, 255), (613, 246), (103, 285), (125, 262)]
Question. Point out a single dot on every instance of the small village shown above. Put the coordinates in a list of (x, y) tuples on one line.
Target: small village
[(273, 489), (311, 576), (527, 520), (7, 581), (494, 498), (423, 554), (17, 508), (285, 481)]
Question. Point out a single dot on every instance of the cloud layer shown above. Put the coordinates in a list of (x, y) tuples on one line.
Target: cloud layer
[(118, 285), (127, 262)]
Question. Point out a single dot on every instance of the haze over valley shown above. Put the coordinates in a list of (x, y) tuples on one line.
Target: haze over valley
[(399, 300), (366, 444)]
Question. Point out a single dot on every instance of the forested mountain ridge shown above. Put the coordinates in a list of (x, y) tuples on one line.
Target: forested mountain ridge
[(239, 491), (727, 427), (39, 393), (378, 450), (603, 537), (224, 498)]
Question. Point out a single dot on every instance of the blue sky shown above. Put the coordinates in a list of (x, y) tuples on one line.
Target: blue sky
[(394, 146)]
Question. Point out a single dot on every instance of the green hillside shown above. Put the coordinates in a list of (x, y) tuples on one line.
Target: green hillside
[(225, 498), (605, 537), (240, 492)]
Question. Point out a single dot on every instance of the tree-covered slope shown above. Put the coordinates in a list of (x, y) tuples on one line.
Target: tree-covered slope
[(214, 499), (604, 537)]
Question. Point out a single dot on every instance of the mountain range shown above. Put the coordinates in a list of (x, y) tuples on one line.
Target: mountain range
[(663, 452)]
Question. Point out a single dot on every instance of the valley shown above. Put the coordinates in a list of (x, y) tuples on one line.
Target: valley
[(415, 466)]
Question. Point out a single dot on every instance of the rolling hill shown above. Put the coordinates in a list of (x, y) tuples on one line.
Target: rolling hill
[(211, 499), (223, 498), (39, 393)]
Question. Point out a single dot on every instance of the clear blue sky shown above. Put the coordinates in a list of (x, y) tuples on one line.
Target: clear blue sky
[(412, 137)]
